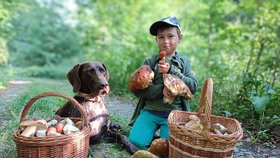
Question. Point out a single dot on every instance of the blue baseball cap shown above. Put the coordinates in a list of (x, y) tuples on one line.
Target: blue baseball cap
[(172, 20)]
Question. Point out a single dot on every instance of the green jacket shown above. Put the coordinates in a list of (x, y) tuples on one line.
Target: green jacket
[(180, 67)]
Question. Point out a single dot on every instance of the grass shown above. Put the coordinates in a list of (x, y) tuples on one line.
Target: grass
[(43, 108)]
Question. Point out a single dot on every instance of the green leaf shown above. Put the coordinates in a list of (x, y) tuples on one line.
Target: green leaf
[(259, 103)]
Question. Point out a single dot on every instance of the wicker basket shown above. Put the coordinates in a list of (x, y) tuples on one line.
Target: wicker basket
[(185, 142), (74, 145)]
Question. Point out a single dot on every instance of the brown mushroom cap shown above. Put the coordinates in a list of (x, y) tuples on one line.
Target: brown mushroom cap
[(141, 78), (176, 86), (195, 118), (40, 123), (159, 147)]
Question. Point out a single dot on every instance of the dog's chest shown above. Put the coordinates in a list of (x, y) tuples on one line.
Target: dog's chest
[(95, 108), (98, 116)]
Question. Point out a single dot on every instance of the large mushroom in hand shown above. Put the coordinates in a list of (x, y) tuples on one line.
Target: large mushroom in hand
[(176, 86), (141, 78)]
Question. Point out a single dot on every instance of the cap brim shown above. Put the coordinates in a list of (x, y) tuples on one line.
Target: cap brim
[(155, 26)]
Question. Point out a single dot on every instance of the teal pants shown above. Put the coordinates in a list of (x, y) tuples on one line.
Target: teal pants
[(145, 127)]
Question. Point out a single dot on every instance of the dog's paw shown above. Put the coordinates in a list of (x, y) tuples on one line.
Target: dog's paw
[(115, 126)]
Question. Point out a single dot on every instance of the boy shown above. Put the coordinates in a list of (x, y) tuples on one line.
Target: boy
[(151, 113)]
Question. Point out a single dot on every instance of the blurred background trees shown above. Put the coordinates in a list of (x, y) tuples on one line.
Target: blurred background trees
[(236, 42)]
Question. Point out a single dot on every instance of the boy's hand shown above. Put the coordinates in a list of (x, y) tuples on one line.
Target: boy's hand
[(163, 67)]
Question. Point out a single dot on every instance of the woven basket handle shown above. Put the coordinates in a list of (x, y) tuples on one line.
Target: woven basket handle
[(57, 94), (207, 92)]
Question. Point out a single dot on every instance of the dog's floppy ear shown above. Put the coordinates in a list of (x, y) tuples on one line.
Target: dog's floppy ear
[(107, 72), (74, 79)]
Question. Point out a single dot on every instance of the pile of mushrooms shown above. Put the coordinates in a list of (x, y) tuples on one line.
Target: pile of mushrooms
[(39, 127), (193, 123), (219, 129)]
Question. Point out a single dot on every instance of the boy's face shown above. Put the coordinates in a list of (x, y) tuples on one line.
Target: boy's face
[(167, 40)]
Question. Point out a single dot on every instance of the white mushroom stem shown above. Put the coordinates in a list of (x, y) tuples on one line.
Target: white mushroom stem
[(69, 122), (67, 129), (52, 123), (29, 131), (41, 133)]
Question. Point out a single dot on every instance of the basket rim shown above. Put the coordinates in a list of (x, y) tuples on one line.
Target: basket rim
[(54, 94), (57, 139)]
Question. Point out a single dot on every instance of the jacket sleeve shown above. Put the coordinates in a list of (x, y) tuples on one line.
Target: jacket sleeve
[(153, 91), (187, 75)]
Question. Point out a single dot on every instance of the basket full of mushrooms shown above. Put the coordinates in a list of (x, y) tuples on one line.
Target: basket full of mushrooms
[(198, 134), (55, 137)]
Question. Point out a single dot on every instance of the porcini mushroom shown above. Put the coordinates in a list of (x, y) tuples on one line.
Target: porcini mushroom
[(30, 126), (176, 86), (194, 123), (220, 129), (29, 131), (159, 147), (143, 153), (141, 78), (52, 122), (69, 127)]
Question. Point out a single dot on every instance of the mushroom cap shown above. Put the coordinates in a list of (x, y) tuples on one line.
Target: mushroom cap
[(143, 153), (40, 123), (141, 78), (159, 147), (194, 117), (176, 86)]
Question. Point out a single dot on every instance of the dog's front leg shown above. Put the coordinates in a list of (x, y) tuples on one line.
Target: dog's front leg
[(115, 127), (122, 139)]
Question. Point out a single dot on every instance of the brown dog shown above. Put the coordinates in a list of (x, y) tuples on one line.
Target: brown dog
[(90, 83)]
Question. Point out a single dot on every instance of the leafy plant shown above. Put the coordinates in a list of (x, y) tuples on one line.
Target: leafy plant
[(41, 37)]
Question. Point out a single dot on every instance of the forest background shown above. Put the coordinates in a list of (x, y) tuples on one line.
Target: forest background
[(235, 42)]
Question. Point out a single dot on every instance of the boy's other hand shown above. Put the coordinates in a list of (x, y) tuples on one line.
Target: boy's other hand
[(163, 67)]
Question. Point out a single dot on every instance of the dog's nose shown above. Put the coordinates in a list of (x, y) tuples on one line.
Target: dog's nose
[(103, 85)]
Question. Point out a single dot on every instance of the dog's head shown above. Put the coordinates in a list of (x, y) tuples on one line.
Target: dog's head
[(90, 78)]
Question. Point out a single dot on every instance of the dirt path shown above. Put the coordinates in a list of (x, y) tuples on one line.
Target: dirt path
[(14, 89), (124, 109)]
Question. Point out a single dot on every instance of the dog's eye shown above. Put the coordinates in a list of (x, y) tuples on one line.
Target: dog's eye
[(91, 71), (101, 70)]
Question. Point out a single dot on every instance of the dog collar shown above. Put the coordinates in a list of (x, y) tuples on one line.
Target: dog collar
[(90, 97)]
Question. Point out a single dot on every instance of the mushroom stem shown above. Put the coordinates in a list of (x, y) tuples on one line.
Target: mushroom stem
[(29, 131)]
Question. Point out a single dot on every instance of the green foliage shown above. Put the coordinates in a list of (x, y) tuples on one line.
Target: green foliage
[(51, 71), (257, 93), (41, 37), (6, 11), (4, 77)]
